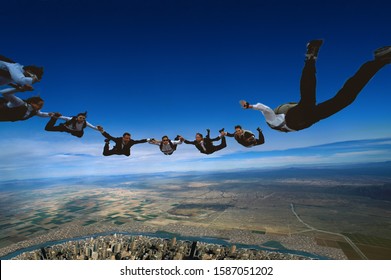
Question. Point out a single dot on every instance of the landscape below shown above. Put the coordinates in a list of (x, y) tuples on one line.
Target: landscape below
[(337, 212)]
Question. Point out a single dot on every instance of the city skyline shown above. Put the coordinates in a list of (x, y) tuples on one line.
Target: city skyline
[(144, 247)]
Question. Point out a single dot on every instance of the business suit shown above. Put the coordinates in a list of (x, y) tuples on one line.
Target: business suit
[(120, 148), (206, 145), (247, 139)]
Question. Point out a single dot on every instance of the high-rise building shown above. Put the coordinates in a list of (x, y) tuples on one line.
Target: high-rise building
[(94, 255), (181, 249), (95, 247), (178, 256), (193, 249), (88, 251), (43, 253), (113, 247), (133, 246), (173, 242), (117, 248), (37, 255)]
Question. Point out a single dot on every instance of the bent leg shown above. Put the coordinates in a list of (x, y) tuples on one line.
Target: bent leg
[(107, 151), (350, 90), (222, 145), (261, 138), (79, 133), (303, 115), (308, 84), (208, 144), (207, 134), (50, 126)]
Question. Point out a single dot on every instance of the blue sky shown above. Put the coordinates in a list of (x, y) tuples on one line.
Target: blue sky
[(178, 67)]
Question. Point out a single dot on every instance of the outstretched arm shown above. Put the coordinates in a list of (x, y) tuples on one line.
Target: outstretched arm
[(17, 74), (139, 141), (269, 114), (106, 135), (176, 142), (189, 142), (44, 114), (154, 142), (26, 87), (92, 126), (230, 134), (59, 116), (8, 94)]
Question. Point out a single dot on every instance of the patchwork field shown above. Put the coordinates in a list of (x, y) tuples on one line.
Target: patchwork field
[(271, 208)]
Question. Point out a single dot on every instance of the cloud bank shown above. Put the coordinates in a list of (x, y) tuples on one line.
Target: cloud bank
[(21, 159)]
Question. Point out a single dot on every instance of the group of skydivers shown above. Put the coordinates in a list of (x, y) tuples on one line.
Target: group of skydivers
[(293, 116)]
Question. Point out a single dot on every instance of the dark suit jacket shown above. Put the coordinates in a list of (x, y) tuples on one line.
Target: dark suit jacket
[(14, 114), (207, 143), (117, 149), (243, 139)]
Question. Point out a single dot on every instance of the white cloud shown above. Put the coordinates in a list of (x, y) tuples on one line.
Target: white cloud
[(25, 159), (363, 153)]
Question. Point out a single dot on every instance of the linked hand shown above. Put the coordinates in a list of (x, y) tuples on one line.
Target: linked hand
[(57, 115), (24, 88)]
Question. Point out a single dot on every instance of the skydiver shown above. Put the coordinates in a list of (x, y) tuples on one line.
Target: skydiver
[(74, 125), (12, 108), (246, 138), (19, 76), (205, 145), (122, 144), (166, 145), (297, 116)]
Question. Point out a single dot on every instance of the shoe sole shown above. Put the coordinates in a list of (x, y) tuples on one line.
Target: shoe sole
[(315, 47), (383, 53), (316, 43)]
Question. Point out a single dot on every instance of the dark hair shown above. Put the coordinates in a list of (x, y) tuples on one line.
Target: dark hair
[(34, 99), (6, 59), (126, 134), (238, 126), (199, 134), (165, 136), (38, 71), (83, 114)]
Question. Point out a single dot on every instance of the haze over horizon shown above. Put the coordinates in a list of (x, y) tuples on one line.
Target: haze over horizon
[(84, 162)]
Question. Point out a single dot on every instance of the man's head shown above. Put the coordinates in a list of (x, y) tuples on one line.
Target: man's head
[(199, 137), (81, 117), (238, 129), (36, 102), (33, 70), (165, 139), (126, 137)]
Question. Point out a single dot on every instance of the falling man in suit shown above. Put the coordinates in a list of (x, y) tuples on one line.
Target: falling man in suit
[(122, 144), (205, 145)]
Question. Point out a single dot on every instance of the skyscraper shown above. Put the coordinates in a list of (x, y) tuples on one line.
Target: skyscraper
[(173, 242), (233, 249)]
